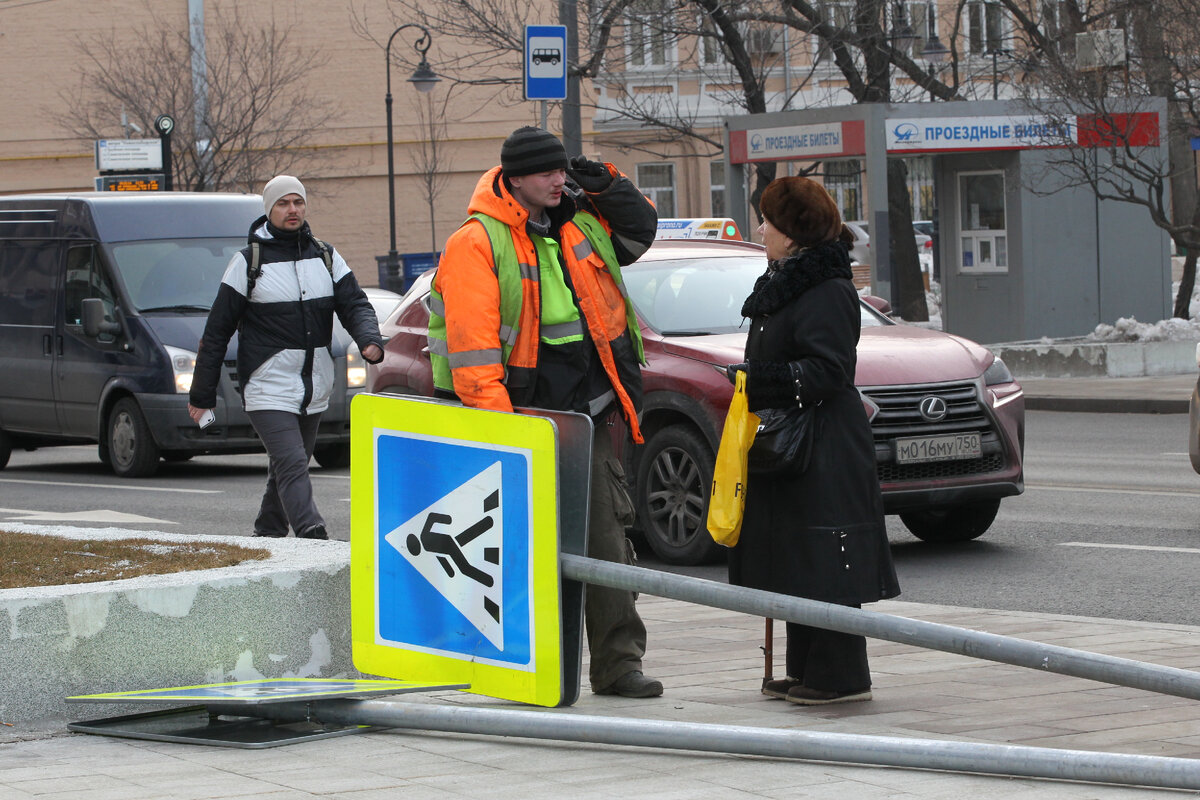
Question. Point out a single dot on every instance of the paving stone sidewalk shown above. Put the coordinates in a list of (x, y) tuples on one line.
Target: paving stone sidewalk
[(711, 663)]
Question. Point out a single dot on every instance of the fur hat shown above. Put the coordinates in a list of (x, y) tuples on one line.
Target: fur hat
[(528, 151), (280, 186), (802, 210)]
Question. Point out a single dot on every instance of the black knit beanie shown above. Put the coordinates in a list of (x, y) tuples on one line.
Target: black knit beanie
[(528, 151)]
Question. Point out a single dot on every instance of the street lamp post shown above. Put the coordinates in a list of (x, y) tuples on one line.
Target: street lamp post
[(423, 78), (995, 53)]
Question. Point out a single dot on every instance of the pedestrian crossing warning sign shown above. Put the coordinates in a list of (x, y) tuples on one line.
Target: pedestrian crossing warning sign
[(454, 533)]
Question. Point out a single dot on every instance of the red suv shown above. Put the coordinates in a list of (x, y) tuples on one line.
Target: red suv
[(948, 418)]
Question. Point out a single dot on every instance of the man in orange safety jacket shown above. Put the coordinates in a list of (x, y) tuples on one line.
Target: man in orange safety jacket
[(529, 309)]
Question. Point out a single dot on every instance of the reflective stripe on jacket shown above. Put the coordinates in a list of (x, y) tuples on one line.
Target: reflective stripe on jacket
[(487, 354)]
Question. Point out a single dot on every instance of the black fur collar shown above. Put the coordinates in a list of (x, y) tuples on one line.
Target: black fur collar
[(788, 278)]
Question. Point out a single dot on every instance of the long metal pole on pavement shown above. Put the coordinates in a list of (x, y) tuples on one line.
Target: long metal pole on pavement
[(995, 759), (977, 644), (1035, 762)]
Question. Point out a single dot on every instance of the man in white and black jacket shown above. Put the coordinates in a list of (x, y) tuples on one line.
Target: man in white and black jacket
[(285, 368)]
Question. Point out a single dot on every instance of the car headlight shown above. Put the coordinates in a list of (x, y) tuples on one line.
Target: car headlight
[(356, 368), (997, 373), (183, 365)]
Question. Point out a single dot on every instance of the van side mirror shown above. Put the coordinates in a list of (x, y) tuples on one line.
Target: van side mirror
[(94, 323), (877, 303)]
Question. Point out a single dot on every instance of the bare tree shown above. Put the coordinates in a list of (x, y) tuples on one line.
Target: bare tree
[(861, 48), (235, 126)]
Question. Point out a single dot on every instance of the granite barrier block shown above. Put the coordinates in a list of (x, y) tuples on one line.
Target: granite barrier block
[(286, 616)]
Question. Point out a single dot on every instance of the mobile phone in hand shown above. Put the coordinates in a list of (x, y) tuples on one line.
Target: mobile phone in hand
[(206, 419)]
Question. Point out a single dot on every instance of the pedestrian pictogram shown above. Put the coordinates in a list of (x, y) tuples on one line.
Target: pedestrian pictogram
[(456, 545)]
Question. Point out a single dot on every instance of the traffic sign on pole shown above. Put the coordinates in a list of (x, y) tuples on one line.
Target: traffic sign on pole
[(545, 62), (457, 518)]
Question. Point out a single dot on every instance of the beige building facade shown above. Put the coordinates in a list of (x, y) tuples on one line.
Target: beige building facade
[(44, 52), (42, 58)]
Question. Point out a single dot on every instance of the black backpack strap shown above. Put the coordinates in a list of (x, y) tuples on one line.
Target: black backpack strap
[(326, 254), (253, 267)]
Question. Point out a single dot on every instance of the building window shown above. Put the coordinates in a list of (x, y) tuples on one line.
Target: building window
[(713, 44), (646, 43), (657, 181), (843, 180), (838, 14), (982, 223), (924, 21), (716, 188), (985, 27)]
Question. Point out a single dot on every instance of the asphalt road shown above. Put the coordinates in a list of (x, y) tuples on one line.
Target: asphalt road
[(1109, 525)]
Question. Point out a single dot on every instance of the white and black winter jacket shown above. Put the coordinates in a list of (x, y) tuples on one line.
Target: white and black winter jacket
[(284, 361)]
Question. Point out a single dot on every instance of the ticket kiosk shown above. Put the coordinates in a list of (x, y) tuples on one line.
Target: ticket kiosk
[(1025, 252)]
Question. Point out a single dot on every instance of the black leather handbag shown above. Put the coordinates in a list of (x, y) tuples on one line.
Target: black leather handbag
[(783, 444)]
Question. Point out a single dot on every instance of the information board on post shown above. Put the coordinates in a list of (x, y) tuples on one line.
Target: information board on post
[(149, 182), (128, 155)]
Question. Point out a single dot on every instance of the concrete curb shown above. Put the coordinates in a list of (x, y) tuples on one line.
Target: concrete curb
[(1110, 405), (1080, 358), (288, 616)]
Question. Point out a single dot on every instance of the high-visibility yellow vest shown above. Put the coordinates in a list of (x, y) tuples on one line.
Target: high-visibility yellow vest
[(510, 274)]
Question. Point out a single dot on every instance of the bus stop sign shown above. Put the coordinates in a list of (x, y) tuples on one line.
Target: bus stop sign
[(545, 62)]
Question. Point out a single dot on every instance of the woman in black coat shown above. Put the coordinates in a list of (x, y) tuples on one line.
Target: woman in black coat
[(819, 534)]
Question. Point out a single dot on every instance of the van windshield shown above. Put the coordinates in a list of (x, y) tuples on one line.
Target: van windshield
[(173, 274)]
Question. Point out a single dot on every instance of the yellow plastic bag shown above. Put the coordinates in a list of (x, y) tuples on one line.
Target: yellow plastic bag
[(728, 497)]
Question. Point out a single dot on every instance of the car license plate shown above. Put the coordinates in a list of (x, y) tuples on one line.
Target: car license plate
[(949, 447)]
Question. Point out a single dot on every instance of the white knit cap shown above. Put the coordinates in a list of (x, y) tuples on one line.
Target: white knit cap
[(280, 186)]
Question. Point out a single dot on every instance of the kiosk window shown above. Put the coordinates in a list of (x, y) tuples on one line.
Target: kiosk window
[(983, 239)]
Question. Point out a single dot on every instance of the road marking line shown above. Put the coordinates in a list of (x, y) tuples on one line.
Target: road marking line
[(114, 486), (1107, 490), (96, 515), (1155, 548)]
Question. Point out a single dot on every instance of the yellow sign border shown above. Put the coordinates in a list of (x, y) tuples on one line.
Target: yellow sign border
[(369, 414)]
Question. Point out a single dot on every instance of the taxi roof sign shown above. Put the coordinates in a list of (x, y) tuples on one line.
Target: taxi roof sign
[(699, 228)]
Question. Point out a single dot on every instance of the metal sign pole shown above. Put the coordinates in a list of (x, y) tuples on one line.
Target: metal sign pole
[(1030, 762), (976, 644)]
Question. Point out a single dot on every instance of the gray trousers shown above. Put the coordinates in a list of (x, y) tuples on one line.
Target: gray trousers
[(615, 633), (288, 499)]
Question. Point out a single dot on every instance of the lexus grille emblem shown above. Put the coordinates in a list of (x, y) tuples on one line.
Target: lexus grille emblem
[(932, 408)]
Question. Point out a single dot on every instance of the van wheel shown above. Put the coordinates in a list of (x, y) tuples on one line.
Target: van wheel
[(5, 449), (959, 523), (674, 476), (132, 452), (332, 456)]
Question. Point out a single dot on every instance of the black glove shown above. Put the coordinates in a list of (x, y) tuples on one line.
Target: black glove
[(592, 176), (732, 370)]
